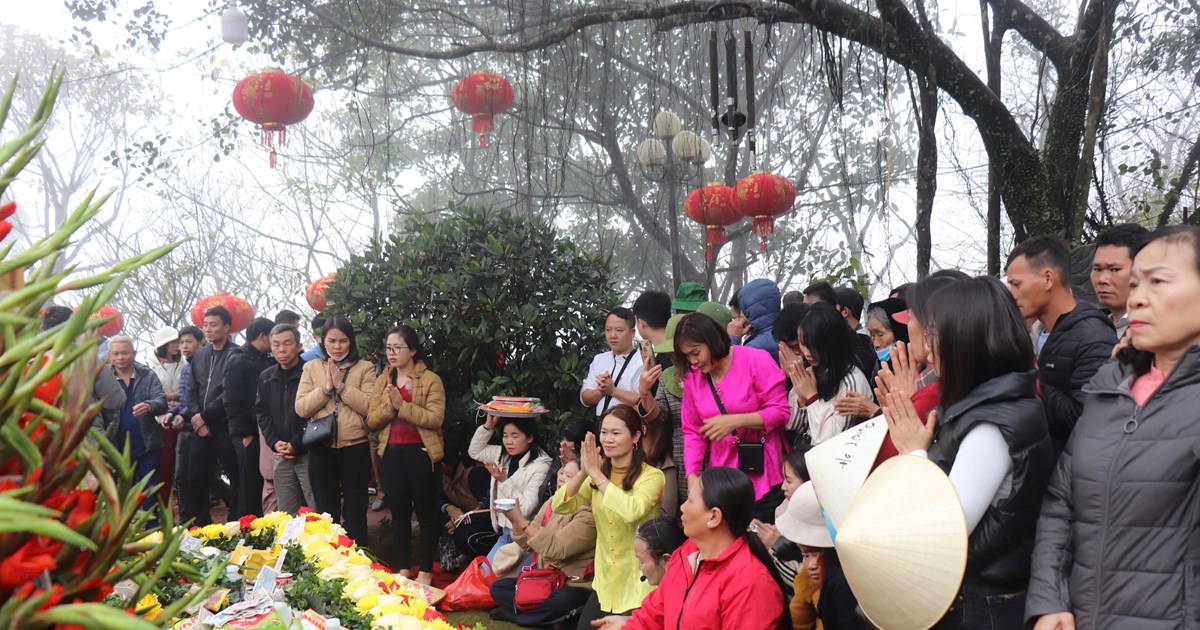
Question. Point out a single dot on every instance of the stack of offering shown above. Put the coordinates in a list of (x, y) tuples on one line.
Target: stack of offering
[(514, 407)]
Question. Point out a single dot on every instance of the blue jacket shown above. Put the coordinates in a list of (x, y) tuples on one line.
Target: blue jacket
[(759, 302), (146, 389)]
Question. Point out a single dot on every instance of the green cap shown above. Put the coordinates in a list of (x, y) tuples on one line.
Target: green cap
[(689, 297), (670, 380), (718, 312), (669, 344)]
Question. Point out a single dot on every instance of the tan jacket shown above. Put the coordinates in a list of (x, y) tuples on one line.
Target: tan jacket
[(567, 541), (313, 403), (426, 411)]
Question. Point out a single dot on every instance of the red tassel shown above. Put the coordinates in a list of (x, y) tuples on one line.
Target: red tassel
[(763, 226), (714, 235)]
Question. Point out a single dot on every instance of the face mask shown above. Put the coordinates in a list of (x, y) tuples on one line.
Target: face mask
[(341, 357), (885, 354)]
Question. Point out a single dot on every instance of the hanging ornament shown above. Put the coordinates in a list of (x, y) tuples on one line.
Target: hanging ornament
[(316, 292), (240, 309), (712, 207), (113, 327), (482, 95), (762, 197), (273, 100), (652, 152), (235, 26), (688, 147)]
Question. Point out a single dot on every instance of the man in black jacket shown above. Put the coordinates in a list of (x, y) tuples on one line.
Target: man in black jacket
[(206, 404), (240, 383), (283, 430), (1073, 339)]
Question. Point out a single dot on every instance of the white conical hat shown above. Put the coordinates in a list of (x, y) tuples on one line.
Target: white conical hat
[(903, 545), (839, 466)]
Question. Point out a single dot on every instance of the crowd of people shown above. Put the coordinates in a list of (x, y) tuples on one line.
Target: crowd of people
[(679, 496)]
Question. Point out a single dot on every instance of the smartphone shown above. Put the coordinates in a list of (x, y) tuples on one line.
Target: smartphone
[(647, 349)]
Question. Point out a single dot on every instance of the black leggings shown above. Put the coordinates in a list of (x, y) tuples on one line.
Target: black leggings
[(561, 604), (339, 478), (410, 483)]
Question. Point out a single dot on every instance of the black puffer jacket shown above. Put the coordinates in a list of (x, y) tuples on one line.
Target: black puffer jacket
[(240, 383), (275, 407), (1000, 545), (1117, 541), (1081, 341), (206, 386)]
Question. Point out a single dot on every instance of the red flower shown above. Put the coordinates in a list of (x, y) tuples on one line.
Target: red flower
[(344, 541), (27, 592), (311, 518), (5, 228), (7, 210), (195, 530), (25, 564), (304, 509), (375, 566), (245, 521), (77, 505), (431, 614)]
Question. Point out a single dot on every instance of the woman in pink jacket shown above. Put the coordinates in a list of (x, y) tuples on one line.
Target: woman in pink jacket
[(734, 409), (721, 577)]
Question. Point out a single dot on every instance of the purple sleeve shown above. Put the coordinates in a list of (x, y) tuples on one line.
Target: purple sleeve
[(694, 444), (769, 385)]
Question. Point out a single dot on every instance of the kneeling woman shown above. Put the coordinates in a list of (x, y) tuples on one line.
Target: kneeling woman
[(566, 542), (721, 577), (624, 492)]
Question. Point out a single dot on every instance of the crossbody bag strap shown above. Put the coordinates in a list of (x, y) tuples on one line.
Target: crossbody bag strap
[(616, 381)]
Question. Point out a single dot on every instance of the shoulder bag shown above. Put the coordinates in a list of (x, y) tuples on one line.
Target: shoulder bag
[(323, 431), (750, 454)]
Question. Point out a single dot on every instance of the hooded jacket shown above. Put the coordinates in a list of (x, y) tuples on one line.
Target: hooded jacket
[(206, 386), (759, 302), (275, 407), (1117, 540), (999, 547), (146, 389), (1081, 341), (733, 590), (240, 381), (426, 411)]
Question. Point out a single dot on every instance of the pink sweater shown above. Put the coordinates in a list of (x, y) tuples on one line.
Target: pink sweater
[(753, 384)]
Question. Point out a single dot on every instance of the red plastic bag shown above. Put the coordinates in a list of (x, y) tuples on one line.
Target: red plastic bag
[(472, 590)]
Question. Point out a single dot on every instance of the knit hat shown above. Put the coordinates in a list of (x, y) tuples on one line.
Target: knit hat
[(164, 336), (903, 545), (803, 523), (689, 296), (718, 312)]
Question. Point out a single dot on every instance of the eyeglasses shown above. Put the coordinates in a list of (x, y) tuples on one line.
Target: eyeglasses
[(395, 349)]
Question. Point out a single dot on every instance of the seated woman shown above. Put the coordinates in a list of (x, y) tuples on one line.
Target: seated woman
[(518, 467), (566, 542), (624, 492), (463, 499), (721, 577)]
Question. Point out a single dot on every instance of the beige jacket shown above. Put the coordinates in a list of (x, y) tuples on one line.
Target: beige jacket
[(567, 541), (426, 411), (313, 403)]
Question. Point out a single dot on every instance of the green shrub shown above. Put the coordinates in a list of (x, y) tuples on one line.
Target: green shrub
[(502, 304)]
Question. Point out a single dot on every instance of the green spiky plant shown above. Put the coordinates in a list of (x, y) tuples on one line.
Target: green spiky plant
[(70, 523)]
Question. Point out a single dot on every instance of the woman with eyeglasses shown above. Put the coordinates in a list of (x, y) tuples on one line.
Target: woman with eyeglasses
[(407, 409)]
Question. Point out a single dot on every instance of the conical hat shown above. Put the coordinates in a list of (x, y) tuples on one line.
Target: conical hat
[(903, 546), (839, 466)]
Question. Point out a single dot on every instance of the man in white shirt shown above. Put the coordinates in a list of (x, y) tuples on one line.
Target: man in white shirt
[(613, 376)]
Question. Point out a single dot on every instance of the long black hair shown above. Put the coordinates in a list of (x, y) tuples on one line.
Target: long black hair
[(977, 334), (730, 490), (918, 294), (1183, 235), (828, 337), (342, 323)]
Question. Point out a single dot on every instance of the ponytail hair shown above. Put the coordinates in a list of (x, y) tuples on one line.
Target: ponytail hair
[(730, 490), (633, 422)]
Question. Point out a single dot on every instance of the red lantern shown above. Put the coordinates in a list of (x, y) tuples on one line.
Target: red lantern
[(482, 95), (240, 309), (762, 197), (273, 100), (712, 207), (114, 326), (316, 292)]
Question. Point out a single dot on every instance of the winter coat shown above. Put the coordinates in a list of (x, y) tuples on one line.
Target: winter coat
[(566, 541), (146, 389), (426, 411), (275, 407), (733, 590), (169, 374), (240, 382), (999, 547), (1081, 341), (1117, 540), (313, 403), (523, 485), (206, 386), (759, 302)]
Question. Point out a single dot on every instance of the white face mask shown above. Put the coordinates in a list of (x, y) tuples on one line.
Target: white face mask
[(341, 357)]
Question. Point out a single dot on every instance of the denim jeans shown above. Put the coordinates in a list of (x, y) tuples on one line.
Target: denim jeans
[(985, 609)]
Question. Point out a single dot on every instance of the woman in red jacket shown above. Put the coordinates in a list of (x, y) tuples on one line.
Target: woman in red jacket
[(721, 577)]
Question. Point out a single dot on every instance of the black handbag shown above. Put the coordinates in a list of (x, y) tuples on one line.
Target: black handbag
[(750, 454), (323, 431)]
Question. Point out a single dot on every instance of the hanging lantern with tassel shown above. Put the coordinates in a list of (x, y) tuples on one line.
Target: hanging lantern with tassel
[(240, 310), (273, 100), (482, 95), (763, 197), (712, 207)]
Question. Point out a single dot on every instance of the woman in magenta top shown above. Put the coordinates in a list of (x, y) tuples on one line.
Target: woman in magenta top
[(749, 407)]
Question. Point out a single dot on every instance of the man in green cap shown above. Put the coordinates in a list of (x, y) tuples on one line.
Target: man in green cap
[(689, 297)]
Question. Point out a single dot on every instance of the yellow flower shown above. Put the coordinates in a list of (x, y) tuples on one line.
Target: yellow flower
[(318, 527), (365, 604), (359, 558), (212, 532), (148, 607)]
